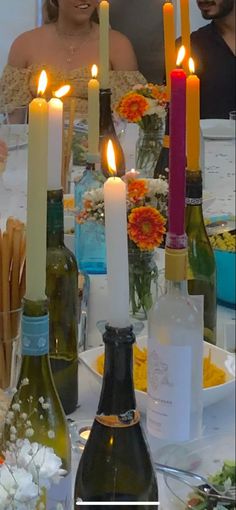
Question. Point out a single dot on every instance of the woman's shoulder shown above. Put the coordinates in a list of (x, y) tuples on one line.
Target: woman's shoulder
[(122, 54), (22, 45)]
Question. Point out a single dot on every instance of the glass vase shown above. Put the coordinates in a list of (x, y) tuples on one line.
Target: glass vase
[(148, 148), (143, 282)]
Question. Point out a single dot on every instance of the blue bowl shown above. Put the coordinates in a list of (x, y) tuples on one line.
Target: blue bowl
[(226, 277)]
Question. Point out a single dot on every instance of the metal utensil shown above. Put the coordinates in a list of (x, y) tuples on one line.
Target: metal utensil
[(205, 488)]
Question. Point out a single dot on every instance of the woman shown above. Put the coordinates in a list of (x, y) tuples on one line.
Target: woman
[(66, 46)]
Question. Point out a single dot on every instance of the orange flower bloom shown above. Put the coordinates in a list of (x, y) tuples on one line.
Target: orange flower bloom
[(137, 189), (132, 107), (1, 460), (146, 227)]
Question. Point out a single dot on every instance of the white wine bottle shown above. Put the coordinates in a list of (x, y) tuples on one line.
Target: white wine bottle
[(201, 260), (39, 407), (62, 292), (116, 464), (175, 351)]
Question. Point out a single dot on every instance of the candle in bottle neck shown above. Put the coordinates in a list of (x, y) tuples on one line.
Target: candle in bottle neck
[(37, 195), (116, 246), (193, 119), (169, 41), (93, 114), (177, 149), (104, 43)]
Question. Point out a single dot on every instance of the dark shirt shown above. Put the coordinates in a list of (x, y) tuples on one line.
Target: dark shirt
[(215, 66)]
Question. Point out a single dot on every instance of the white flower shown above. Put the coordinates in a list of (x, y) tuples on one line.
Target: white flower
[(16, 407), (25, 382), (40, 461), (16, 485), (29, 432), (51, 434)]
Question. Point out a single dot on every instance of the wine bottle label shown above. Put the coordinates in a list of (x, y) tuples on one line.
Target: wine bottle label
[(59, 496), (193, 201), (35, 335), (127, 419), (169, 392)]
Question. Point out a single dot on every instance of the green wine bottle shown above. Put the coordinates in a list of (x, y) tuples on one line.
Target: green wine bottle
[(62, 291), (201, 261), (37, 407), (116, 463)]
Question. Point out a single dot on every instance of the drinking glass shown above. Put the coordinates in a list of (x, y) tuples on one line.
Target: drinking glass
[(10, 356)]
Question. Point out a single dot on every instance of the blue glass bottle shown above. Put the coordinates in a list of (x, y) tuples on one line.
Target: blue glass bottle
[(90, 246)]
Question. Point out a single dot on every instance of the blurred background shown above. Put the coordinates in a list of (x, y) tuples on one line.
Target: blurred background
[(140, 20)]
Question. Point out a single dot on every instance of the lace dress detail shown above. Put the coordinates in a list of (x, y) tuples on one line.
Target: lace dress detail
[(19, 86)]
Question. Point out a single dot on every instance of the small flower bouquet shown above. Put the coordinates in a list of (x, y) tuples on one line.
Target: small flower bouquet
[(145, 105), (146, 212), (27, 468)]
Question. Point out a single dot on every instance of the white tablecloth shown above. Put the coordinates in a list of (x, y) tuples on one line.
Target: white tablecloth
[(219, 181)]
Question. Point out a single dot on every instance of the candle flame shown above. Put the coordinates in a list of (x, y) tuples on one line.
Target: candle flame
[(62, 91), (43, 81), (191, 65), (94, 71), (181, 55), (111, 158)]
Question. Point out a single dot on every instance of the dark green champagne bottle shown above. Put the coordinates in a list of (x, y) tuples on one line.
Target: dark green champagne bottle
[(62, 291), (201, 261), (107, 131), (37, 399), (116, 464)]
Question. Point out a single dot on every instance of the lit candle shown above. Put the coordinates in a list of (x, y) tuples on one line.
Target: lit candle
[(176, 201), (104, 43), (193, 119), (169, 40), (116, 246), (55, 138), (93, 114), (185, 30), (37, 195)]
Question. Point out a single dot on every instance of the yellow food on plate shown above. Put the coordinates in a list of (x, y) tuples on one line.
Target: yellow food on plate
[(212, 375), (225, 241)]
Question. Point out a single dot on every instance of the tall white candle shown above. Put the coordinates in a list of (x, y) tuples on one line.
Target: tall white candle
[(55, 131), (93, 114), (37, 197), (55, 138), (104, 43), (116, 249)]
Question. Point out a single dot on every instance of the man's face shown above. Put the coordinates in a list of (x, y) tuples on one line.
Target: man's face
[(215, 9)]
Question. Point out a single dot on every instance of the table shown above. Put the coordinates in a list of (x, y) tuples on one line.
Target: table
[(219, 182)]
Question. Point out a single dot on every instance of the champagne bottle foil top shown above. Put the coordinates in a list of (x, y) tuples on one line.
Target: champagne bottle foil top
[(193, 185), (118, 335)]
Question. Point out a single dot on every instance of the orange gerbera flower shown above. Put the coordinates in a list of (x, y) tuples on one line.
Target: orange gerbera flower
[(146, 227), (137, 189), (132, 107)]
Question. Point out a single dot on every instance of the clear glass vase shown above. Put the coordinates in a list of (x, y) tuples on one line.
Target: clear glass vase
[(143, 282), (148, 148)]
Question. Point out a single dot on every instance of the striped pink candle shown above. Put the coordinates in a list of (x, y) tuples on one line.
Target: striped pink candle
[(176, 200)]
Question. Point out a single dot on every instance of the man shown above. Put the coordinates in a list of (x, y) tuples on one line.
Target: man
[(213, 49)]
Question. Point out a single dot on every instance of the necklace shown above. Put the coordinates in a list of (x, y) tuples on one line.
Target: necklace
[(72, 49)]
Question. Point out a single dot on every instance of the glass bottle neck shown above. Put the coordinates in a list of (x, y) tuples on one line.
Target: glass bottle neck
[(106, 122), (55, 218), (175, 289), (117, 394)]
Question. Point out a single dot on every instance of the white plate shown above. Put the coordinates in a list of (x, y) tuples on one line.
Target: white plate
[(220, 357), (218, 129)]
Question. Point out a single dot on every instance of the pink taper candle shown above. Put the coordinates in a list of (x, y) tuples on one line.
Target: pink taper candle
[(176, 204)]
